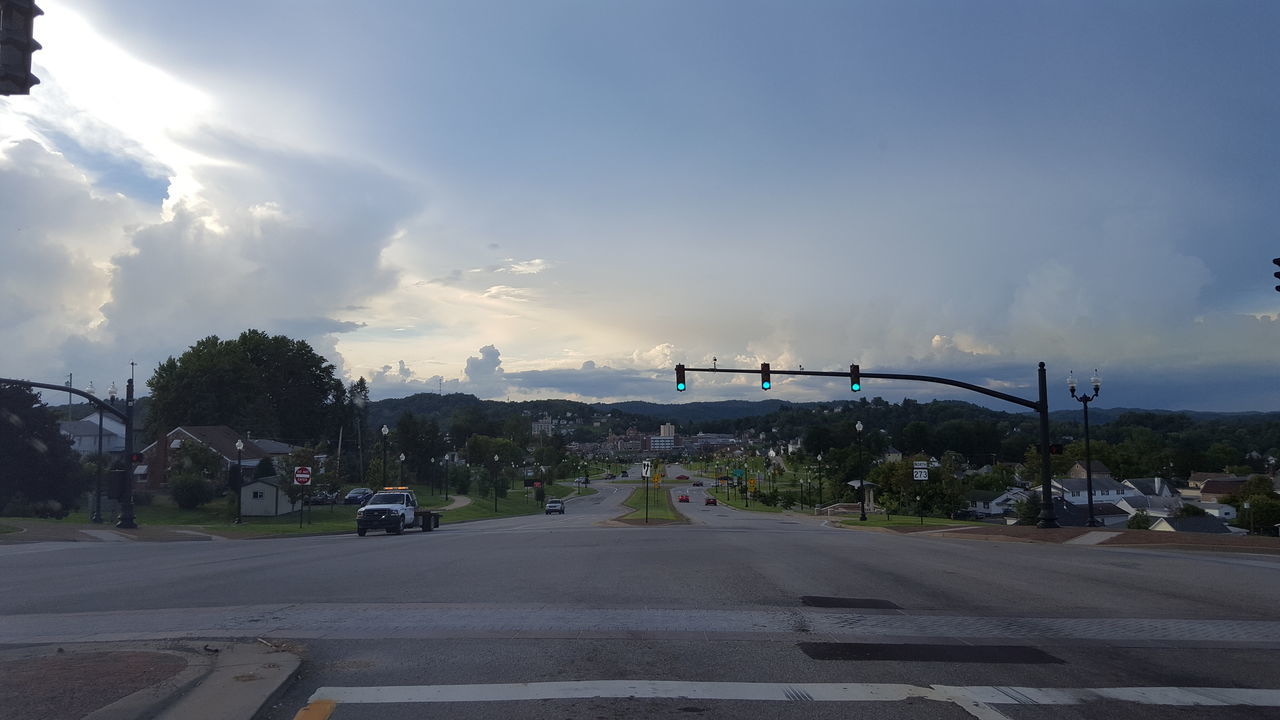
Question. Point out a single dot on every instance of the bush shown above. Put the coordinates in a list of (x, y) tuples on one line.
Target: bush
[(787, 499), (1139, 521), (190, 491)]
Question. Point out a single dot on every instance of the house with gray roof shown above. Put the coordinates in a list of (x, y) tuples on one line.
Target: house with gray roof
[(1153, 505), (1075, 490), (1154, 486), (1197, 524)]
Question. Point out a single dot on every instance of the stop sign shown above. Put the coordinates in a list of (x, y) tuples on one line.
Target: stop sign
[(302, 476)]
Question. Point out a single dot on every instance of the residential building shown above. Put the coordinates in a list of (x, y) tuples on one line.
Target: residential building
[(1216, 489), (153, 472), (1099, 471), (1196, 524), (1071, 515), (667, 430), (1154, 486), (1218, 510), (266, 497), (1075, 490), (1153, 505)]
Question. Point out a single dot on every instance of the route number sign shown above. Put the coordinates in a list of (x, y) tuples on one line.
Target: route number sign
[(920, 471)]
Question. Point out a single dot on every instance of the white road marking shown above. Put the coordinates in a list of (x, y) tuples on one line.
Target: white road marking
[(975, 699)]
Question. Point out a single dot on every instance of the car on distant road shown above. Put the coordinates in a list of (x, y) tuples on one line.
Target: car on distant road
[(683, 498), (697, 483), (710, 501), (555, 506), (357, 496), (682, 477)]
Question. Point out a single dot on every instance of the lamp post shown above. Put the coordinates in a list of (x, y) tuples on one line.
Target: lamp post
[(495, 482), (862, 482), (239, 479), (1088, 458), (96, 517), (821, 475), (1246, 508), (401, 483), (127, 520), (385, 432)]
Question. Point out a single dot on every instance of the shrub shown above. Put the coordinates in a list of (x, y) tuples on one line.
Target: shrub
[(190, 491), (1139, 521)]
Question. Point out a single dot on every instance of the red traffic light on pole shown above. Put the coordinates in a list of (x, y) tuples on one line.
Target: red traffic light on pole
[(765, 382), (855, 378), (680, 377)]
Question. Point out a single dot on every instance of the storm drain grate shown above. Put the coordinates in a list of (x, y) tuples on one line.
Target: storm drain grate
[(872, 652), (841, 602)]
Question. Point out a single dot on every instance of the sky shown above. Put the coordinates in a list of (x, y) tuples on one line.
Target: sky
[(529, 199)]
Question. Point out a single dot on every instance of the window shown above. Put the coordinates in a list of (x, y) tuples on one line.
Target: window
[(986, 505), (1075, 493), (258, 495)]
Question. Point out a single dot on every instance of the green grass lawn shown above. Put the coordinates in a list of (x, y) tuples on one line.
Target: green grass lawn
[(735, 500), (660, 506), (902, 521), (218, 516)]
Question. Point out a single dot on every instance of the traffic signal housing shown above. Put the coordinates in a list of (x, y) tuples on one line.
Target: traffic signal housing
[(17, 42), (855, 378), (1277, 274), (765, 381), (680, 377)]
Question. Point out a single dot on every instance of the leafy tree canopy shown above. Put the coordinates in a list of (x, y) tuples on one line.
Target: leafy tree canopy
[(269, 385), (39, 473)]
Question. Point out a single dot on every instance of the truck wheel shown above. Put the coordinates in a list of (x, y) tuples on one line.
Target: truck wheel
[(361, 531), (399, 529)]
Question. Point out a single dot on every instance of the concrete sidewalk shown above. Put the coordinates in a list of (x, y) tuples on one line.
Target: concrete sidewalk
[(170, 680)]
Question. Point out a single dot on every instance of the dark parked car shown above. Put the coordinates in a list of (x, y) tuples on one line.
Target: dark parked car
[(697, 483), (710, 501), (682, 477), (357, 496), (320, 497)]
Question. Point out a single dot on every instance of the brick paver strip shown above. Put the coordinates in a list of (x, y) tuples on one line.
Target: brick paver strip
[(69, 686)]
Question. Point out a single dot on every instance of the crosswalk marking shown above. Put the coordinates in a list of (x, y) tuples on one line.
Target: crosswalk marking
[(977, 700)]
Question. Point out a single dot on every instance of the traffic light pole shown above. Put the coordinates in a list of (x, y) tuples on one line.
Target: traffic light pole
[(1041, 406)]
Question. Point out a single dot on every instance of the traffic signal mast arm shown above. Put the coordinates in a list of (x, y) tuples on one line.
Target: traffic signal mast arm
[(882, 376), (1040, 406)]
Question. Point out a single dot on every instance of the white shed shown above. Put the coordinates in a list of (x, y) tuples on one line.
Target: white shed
[(263, 497)]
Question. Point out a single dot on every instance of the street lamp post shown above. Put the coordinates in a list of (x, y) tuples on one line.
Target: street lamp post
[(1088, 458), (239, 479), (96, 517), (1251, 526), (495, 482), (821, 477), (862, 482), (401, 483), (385, 432)]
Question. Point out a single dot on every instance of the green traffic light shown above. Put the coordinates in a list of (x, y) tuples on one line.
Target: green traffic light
[(680, 386), (764, 385), (856, 387)]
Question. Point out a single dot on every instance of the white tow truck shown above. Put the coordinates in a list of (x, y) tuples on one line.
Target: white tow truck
[(393, 509)]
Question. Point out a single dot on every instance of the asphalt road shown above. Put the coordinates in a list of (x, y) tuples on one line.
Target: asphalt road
[(734, 613)]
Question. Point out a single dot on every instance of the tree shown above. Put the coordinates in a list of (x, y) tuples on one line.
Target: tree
[(1028, 509), (39, 473), (270, 385), (1140, 520)]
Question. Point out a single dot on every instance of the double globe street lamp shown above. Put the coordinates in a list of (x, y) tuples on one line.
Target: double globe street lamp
[(1088, 458)]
